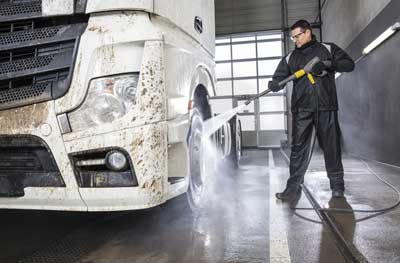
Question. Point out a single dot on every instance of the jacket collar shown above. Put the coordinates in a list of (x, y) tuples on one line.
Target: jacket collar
[(308, 44)]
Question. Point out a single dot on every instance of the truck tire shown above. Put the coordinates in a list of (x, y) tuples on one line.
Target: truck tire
[(196, 161)]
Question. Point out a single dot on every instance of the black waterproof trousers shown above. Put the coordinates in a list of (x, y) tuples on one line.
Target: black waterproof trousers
[(328, 135)]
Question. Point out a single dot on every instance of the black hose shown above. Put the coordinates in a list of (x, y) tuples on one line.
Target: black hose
[(341, 210), (385, 209)]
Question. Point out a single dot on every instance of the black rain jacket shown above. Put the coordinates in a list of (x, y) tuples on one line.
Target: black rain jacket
[(303, 96)]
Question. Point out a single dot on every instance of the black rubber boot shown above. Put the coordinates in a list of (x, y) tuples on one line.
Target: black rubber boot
[(289, 194)]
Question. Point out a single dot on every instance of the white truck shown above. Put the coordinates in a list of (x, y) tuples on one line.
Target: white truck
[(102, 102)]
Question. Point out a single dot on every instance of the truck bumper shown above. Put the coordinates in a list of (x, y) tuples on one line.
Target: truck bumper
[(40, 120), (146, 145)]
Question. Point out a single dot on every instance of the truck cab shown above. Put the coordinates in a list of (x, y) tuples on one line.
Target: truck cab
[(97, 100)]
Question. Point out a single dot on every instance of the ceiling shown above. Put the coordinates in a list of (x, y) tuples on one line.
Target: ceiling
[(240, 16)]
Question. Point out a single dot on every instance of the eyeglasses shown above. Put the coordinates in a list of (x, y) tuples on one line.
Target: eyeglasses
[(297, 36)]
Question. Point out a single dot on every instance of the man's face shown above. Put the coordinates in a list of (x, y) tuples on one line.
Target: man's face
[(300, 36)]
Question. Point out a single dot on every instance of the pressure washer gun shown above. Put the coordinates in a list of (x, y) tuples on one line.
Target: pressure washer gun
[(298, 74)]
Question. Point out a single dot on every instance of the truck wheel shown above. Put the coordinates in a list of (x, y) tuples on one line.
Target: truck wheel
[(196, 161)]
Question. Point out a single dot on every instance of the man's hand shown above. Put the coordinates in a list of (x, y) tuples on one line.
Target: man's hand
[(330, 65), (273, 85), (318, 68)]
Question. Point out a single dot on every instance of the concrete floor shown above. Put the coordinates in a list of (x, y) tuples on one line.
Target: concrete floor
[(376, 237), (241, 222)]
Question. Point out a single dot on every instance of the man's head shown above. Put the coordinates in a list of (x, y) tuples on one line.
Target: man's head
[(301, 33)]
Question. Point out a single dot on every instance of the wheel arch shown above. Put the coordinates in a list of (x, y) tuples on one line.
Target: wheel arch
[(202, 87)]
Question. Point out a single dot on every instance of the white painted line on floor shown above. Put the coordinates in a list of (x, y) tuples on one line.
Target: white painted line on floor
[(271, 162), (278, 240)]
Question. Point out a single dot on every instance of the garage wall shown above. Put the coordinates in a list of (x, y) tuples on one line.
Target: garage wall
[(368, 97), (343, 20)]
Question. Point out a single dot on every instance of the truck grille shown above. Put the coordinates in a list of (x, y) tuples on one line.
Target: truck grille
[(37, 53)]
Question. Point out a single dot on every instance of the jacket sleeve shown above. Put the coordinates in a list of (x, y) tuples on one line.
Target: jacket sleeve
[(341, 61), (282, 71)]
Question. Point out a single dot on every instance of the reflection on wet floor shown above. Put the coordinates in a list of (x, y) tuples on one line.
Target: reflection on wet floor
[(375, 236), (231, 227), (240, 222)]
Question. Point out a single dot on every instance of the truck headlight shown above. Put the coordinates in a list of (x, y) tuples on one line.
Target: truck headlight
[(108, 99)]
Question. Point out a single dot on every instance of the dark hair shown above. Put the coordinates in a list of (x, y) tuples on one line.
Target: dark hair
[(302, 24)]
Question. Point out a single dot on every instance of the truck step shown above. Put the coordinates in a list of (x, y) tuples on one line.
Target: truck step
[(14, 11), (174, 180)]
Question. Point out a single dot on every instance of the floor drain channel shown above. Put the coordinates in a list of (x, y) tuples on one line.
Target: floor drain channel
[(348, 250)]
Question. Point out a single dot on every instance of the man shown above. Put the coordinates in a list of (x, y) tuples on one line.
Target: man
[(313, 105)]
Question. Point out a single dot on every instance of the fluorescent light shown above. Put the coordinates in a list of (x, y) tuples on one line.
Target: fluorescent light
[(385, 35)]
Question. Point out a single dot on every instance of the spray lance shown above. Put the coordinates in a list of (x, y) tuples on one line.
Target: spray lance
[(213, 124), (298, 74)]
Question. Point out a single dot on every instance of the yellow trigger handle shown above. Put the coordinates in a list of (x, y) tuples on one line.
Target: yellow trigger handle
[(300, 73), (310, 78)]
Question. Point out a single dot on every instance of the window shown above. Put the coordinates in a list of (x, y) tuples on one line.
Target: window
[(245, 69), (243, 38), (267, 67), (243, 51), (272, 122), (224, 88), (223, 40), (245, 64), (245, 87), (223, 53), (268, 104), (269, 36), (224, 70), (269, 49)]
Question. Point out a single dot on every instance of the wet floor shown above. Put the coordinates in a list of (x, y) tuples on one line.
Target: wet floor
[(375, 236), (240, 222)]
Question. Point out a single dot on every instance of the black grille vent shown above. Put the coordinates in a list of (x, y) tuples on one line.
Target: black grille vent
[(36, 53), (26, 36), (19, 8), (23, 93), (26, 161), (25, 64)]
